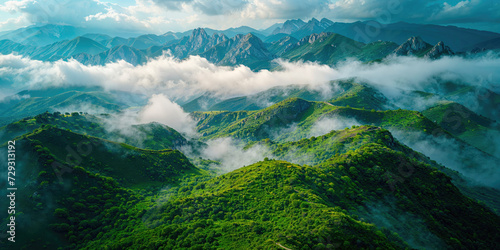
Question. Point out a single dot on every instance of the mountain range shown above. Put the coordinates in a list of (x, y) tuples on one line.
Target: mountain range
[(248, 46), (252, 159)]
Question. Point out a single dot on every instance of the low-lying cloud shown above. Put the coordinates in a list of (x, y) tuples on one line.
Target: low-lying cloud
[(196, 75), (161, 109), (327, 124), (231, 155)]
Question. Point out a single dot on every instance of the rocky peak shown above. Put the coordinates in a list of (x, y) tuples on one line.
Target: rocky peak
[(198, 38), (440, 49), (325, 23), (313, 20), (290, 26), (247, 47), (216, 39), (314, 37), (412, 45)]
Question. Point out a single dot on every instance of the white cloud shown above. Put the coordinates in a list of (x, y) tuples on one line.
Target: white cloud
[(195, 75), (161, 109), (231, 155)]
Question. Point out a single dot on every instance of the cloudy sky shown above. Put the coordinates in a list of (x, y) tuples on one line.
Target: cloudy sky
[(160, 16)]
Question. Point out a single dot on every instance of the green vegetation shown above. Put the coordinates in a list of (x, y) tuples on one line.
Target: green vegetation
[(476, 130), (350, 188), (148, 136), (258, 125), (340, 93), (331, 48)]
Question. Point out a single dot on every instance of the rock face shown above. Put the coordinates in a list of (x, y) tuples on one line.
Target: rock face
[(198, 39), (314, 37), (440, 49), (412, 46), (122, 52), (289, 27), (246, 47)]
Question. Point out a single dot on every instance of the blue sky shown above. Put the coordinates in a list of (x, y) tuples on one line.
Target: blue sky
[(160, 16)]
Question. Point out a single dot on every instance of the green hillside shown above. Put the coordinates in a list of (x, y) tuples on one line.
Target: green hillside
[(273, 204), (147, 136), (330, 48), (157, 199), (74, 187), (340, 93), (70, 100), (475, 129), (257, 125), (360, 96), (130, 166)]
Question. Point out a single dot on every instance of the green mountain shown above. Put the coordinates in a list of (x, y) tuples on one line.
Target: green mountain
[(36, 102), (360, 96), (64, 49), (351, 197), (257, 125), (283, 45), (331, 48), (247, 49), (475, 129), (349, 200), (459, 39), (74, 186), (153, 136), (340, 93), (295, 119)]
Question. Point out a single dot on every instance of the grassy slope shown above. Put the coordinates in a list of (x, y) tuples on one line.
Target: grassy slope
[(149, 136), (360, 96), (72, 99), (129, 165), (73, 187), (268, 204), (335, 48), (255, 125), (340, 93), (465, 124), (276, 202), (259, 206)]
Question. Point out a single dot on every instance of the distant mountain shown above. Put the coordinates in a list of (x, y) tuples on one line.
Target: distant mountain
[(489, 44), (458, 39), (64, 49), (8, 46), (97, 37), (311, 27), (55, 51), (440, 49), (330, 48), (231, 32), (413, 46), (247, 50), (121, 52), (43, 35), (289, 27), (140, 42), (283, 45), (268, 31)]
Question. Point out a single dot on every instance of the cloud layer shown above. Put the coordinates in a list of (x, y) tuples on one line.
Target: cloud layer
[(196, 75)]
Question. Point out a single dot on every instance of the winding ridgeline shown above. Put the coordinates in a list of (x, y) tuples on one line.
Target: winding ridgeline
[(357, 187)]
